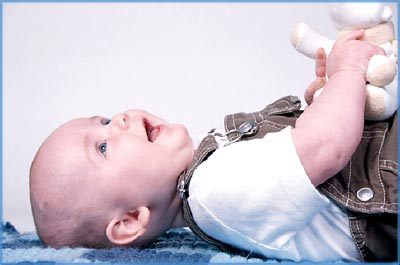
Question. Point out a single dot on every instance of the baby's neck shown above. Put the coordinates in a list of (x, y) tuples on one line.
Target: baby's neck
[(377, 35), (179, 220)]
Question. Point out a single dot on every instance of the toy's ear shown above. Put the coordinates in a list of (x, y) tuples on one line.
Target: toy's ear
[(128, 227)]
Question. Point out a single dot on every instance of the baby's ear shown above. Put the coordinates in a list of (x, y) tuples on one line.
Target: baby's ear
[(128, 227)]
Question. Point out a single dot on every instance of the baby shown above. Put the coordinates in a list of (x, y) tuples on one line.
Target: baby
[(101, 183)]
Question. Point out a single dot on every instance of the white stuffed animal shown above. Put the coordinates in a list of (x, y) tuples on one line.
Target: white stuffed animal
[(381, 77)]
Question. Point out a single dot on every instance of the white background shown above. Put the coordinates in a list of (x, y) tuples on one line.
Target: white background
[(190, 63)]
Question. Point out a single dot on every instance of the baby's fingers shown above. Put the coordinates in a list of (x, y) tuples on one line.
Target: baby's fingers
[(320, 63), (317, 84), (376, 50), (310, 91)]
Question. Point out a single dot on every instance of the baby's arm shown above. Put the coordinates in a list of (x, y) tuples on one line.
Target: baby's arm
[(329, 130)]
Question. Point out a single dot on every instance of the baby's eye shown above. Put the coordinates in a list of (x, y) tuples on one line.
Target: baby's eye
[(103, 148), (106, 122)]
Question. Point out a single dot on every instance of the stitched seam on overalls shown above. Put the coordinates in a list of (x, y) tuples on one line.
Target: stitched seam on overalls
[(262, 117), (386, 162), (355, 241), (361, 209), (361, 235), (200, 157), (273, 124), (366, 203), (254, 117), (359, 231), (348, 185), (230, 137), (369, 137), (379, 131), (207, 146), (379, 172), (388, 167), (280, 110), (391, 161), (233, 120), (274, 110), (226, 122)]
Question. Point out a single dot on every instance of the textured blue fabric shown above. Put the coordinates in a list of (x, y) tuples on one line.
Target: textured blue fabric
[(176, 245)]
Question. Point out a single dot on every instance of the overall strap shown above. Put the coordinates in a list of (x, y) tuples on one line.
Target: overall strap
[(274, 117), (239, 126), (207, 146)]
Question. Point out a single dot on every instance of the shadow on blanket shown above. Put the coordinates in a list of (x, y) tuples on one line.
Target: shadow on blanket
[(176, 245)]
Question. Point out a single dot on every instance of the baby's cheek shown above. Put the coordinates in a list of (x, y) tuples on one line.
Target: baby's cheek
[(132, 154)]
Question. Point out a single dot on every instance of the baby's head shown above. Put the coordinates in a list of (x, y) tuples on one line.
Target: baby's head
[(99, 182)]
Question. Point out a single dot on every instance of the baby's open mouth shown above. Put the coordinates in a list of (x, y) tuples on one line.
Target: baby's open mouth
[(151, 131)]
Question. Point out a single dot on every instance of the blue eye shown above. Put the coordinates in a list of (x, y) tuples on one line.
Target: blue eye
[(106, 122), (103, 148)]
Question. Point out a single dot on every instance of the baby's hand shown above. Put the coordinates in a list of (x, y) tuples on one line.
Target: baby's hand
[(349, 54), (320, 76)]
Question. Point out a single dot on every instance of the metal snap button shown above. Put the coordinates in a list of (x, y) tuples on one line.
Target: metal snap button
[(365, 194), (248, 128)]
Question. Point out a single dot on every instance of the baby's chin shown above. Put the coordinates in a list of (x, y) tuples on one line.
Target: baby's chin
[(179, 139), (187, 152)]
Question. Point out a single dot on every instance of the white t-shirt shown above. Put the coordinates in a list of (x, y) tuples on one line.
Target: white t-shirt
[(255, 195)]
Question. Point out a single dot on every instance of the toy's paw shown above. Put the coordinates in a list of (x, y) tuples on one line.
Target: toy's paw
[(381, 71), (307, 41), (379, 104), (297, 32), (375, 103)]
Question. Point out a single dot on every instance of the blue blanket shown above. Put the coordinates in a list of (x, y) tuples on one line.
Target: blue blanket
[(176, 245)]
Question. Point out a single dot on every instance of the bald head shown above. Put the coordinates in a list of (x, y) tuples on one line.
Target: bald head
[(62, 197), (91, 171)]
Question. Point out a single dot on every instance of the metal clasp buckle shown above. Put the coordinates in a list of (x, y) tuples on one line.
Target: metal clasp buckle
[(246, 128), (181, 189)]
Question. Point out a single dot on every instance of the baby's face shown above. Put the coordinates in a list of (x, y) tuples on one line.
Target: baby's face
[(135, 155)]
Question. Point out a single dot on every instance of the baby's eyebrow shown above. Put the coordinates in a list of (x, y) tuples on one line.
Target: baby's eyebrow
[(94, 118)]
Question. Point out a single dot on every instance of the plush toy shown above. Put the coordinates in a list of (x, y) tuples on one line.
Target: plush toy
[(381, 77)]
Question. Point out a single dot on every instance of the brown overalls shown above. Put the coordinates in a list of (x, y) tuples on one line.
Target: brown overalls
[(366, 187)]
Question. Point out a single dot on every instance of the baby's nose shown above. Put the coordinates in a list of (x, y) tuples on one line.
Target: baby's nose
[(120, 121)]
